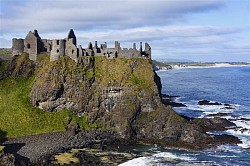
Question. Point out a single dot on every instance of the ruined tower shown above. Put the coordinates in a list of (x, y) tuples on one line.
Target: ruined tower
[(58, 49), (33, 44), (17, 46), (71, 48)]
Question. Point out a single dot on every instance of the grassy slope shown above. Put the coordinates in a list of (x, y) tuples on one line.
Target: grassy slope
[(19, 117), (113, 72)]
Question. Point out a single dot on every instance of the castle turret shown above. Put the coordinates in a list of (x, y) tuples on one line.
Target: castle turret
[(134, 46), (117, 45), (140, 48), (72, 36), (147, 50)]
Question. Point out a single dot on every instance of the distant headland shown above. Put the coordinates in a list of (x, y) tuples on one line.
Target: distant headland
[(33, 45)]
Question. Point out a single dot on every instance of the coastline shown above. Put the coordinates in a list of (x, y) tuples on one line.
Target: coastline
[(219, 65), (216, 65)]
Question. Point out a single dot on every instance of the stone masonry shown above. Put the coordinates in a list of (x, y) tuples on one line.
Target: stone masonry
[(34, 45)]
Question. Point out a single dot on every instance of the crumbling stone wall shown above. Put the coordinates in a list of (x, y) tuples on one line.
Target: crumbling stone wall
[(71, 49), (33, 45), (58, 49), (47, 45), (17, 46)]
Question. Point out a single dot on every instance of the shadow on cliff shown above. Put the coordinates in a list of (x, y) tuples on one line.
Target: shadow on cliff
[(3, 135), (13, 148)]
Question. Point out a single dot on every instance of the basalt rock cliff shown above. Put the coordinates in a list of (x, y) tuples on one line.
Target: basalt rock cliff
[(122, 95)]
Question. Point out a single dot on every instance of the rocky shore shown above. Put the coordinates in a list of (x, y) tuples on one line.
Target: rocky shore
[(40, 149)]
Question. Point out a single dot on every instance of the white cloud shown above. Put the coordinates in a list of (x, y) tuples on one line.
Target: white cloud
[(59, 15)]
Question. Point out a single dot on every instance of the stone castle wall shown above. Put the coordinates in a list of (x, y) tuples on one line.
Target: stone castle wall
[(34, 45), (17, 46), (58, 49)]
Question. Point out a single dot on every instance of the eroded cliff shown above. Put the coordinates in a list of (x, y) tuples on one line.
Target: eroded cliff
[(120, 95)]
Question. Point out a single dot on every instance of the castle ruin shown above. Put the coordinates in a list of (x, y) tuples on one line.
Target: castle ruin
[(34, 45)]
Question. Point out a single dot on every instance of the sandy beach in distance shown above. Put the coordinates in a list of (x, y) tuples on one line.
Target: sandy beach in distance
[(218, 65)]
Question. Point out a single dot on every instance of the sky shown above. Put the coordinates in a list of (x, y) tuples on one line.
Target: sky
[(197, 30)]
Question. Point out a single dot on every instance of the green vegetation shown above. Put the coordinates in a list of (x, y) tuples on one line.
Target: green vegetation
[(6, 51), (67, 157), (2, 65), (1, 148), (124, 72), (19, 117)]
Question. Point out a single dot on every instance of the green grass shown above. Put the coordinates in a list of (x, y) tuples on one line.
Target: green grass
[(2, 65), (6, 52), (117, 72), (1, 148), (67, 157), (19, 117)]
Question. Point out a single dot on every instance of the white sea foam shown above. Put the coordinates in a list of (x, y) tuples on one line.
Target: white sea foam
[(173, 156), (242, 131), (210, 109), (157, 159), (141, 161), (225, 148)]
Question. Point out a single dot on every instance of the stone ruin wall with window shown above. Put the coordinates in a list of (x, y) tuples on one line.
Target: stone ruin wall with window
[(34, 45)]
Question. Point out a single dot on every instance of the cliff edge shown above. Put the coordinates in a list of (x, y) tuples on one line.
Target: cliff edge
[(119, 95)]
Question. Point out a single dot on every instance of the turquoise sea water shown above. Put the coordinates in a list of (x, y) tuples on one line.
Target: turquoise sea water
[(227, 85)]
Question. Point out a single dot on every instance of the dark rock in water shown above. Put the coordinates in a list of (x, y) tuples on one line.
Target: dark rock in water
[(243, 130), (168, 96), (245, 119), (168, 100), (222, 139), (207, 102), (213, 124), (219, 114), (228, 107)]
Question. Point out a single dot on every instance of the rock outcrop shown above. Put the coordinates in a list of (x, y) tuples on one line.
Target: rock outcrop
[(122, 95), (6, 159)]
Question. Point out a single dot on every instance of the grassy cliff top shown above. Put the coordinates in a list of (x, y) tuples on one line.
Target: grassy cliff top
[(19, 117)]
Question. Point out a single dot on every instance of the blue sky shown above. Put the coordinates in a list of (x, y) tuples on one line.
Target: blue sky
[(198, 30)]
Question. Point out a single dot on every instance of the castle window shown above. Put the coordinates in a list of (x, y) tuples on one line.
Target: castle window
[(57, 42), (72, 51), (28, 46), (57, 50)]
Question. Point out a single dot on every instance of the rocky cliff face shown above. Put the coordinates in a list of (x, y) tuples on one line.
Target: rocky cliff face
[(123, 95), (111, 92)]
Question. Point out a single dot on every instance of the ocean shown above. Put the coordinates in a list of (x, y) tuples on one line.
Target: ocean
[(227, 85)]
